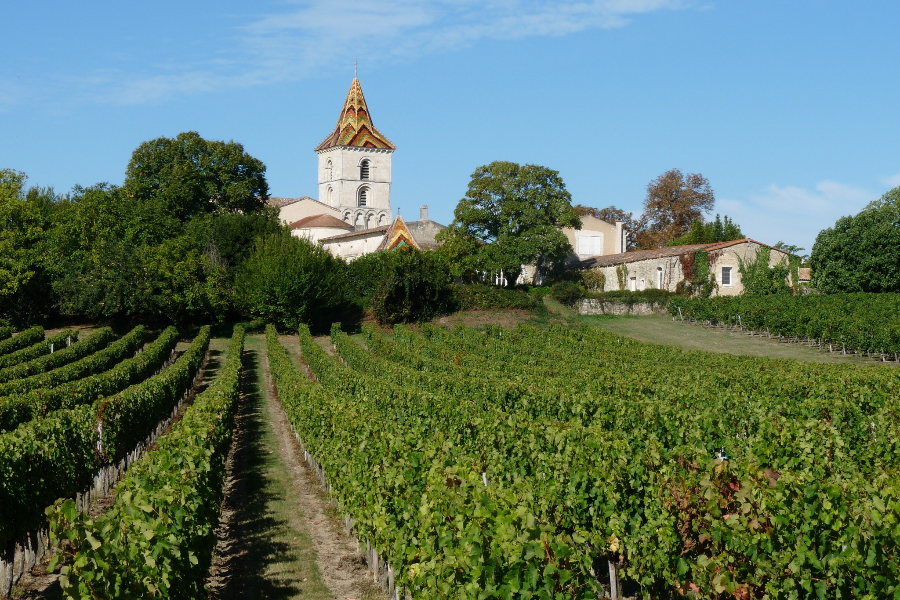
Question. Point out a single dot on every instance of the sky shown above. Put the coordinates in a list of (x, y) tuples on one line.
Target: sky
[(790, 109)]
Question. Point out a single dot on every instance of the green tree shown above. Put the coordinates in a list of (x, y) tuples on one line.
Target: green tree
[(860, 253), (191, 175), (116, 257), (760, 279), (287, 280), (510, 216), (413, 286), (25, 290), (710, 233)]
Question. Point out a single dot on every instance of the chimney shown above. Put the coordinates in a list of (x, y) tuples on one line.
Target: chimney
[(620, 238), (423, 212)]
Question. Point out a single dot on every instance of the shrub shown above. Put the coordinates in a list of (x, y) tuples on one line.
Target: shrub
[(567, 292), (288, 281), (593, 279), (413, 286), (480, 296), (365, 273)]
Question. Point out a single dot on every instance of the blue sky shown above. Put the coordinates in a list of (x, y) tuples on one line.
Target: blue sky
[(789, 108)]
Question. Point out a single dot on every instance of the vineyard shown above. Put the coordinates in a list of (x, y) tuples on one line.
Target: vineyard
[(868, 323), (540, 463), (74, 416), (557, 462)]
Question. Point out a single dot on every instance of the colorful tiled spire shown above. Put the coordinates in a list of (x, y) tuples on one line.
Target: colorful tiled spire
[(354, 127)]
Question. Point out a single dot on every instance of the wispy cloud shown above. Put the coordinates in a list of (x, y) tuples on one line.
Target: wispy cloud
[(11, 93), (892, 181), (794, 214), (311, 36)]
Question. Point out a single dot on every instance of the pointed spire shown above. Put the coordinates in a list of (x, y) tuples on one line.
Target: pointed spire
[(354, 126)]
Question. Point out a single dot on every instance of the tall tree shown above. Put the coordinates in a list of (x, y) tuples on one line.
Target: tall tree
[(191, 175), (673, 202), (25, 294), (611, 214), (510, 217), (860, 253), (710, 233)]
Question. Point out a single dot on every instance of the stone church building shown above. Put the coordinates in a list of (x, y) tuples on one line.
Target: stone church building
[(353, 214)]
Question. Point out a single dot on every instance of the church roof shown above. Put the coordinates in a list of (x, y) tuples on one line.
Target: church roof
[(321, 221), (397, 235), (352, 235), (354, 126)]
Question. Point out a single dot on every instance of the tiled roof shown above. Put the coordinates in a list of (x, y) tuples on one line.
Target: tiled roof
[(397, 234), (609, 260), (354, 127), (282, 202), (804, 274), (352, 235), (321, 221)]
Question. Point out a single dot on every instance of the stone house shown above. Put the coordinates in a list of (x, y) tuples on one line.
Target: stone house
[(664, 268)]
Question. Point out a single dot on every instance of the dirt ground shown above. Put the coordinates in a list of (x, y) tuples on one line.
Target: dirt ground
[(280, 537)]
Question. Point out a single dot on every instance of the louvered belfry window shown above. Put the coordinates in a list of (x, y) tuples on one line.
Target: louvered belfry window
[(363, 193), (364, 170)]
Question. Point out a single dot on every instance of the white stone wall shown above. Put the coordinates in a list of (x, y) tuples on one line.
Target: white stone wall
[(655, 273), (305, 208), (350, 249), (314, 234), (340, 188), (731, 257), (666, 273)]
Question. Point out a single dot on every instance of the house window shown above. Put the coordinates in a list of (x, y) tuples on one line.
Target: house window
[(659, 272), (590, 245), (726, 276), (632, 284), (364, 170), (643, 284), (363, 196)]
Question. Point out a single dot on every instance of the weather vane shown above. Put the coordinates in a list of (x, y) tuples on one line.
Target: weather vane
[(355, 69)]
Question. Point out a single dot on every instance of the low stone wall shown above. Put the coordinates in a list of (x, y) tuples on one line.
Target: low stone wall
[(592, 306)]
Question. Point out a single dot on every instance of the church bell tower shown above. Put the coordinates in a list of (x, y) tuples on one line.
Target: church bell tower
[(355, 166)]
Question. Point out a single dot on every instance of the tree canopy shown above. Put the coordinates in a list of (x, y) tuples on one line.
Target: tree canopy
[(673, 202), (510, 216), (861, 253), (191, 175), (710, 233), (24, 219)]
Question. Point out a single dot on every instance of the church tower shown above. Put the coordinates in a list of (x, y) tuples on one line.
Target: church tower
[(355, 166)]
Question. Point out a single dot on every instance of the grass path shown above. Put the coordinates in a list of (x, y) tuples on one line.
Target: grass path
[(662, 330), (279, 538)]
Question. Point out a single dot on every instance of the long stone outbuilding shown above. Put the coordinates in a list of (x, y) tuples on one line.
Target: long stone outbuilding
[(664, 268)]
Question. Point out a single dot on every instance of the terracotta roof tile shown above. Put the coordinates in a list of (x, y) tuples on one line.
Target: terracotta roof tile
[(281, 202), (609, 260), (352, 235), (321, 221)]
